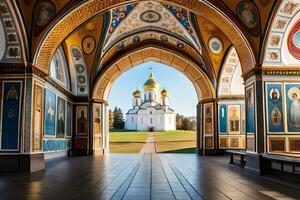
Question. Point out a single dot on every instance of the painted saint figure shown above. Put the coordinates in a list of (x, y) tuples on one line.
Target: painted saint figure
[(61, 119), (276, 116), (234, 120), (294, 110), (81, 123)]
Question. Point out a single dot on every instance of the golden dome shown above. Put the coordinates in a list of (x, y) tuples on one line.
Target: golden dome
[(151, 84), (136, 93), (164, 93)]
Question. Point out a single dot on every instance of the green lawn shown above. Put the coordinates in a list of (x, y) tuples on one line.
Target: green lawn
[(175, 141), (122, 141), (128, 136)]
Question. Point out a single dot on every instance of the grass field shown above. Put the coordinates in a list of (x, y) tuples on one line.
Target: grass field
[(165, 142)]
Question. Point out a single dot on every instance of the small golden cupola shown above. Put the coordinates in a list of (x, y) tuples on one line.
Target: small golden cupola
[(137, 94), (164, 93), (151, 84)]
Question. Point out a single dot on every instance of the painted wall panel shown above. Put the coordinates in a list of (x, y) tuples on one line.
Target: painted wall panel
[(223, 119), (11, 115), (50, 113), (250, 110), (61, 117), (292, 97), (274, 107), (69, 119)]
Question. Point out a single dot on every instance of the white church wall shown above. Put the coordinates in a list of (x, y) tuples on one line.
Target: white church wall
[(131, 122)]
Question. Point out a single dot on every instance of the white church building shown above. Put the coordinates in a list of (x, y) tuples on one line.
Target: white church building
[(153, 112)]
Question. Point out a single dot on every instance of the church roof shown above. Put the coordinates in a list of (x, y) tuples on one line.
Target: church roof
[(151, 84), (146, 105), (136, 93), (164, 93)]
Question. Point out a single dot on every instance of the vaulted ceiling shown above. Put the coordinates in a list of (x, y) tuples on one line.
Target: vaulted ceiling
[(122, 26)]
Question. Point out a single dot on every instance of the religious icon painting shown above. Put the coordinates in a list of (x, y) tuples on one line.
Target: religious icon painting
[(209, 142), (61, 117), (234, 142), (37, 120), (81, 120), (294, 145), (276, 144), (274, 107), (294, 40), (243, 119), (292, 105), (69, 115), (208, 119), (49, 113), (10, 115), (234, 119), (215, 45), (224, 143), (248, 14), (88, 45), (223, 119), (44, 12), (249, 100)]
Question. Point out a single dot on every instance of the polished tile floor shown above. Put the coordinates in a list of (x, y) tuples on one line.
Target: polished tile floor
[(143, 176)]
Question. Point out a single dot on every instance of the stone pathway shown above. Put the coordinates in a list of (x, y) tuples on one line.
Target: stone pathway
[(149, 146)]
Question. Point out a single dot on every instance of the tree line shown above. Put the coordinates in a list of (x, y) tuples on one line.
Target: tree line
[(116, 120), (185, 123)]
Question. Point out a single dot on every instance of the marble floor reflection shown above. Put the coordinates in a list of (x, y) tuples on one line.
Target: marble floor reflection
[(143, 176)]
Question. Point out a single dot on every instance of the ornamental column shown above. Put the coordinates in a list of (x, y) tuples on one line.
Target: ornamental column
[(99, 132)]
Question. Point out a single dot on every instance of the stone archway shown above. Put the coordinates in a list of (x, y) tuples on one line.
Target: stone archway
[(190, 69), (70, 21), (105, 80)]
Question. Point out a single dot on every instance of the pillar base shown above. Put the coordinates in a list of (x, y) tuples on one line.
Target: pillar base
[(98, 152), (22, 163)]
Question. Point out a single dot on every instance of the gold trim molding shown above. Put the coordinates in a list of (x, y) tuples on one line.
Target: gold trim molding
[(282, 71)]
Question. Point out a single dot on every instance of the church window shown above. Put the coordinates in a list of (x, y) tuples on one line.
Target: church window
[(150, 120), (150, 112), (142, 120), (132, 119)]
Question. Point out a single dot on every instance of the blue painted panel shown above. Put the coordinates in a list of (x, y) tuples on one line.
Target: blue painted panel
[(56, 145), (61, 117), (274, 104), (10, 115), (223, 119), (118, 15), (182, 16), (50, 113), (292, 97), (250, 110)]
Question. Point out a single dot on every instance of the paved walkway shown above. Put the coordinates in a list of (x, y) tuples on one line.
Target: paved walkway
[(143, 177), (149, 146)]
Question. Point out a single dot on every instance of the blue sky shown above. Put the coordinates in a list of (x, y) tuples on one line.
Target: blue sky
[(183, 97)]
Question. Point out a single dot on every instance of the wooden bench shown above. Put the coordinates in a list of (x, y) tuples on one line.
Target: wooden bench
[(241, 153), (283, 160)]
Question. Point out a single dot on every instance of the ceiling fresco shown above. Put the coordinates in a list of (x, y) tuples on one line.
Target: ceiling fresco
[(282, 47), (11, 50), (230, 77), (130, 19), (269, 27)]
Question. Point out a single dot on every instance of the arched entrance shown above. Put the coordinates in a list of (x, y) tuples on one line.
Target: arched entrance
[(129, 60)]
